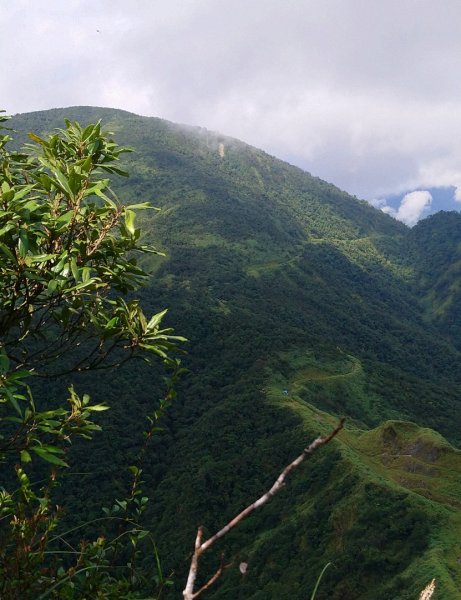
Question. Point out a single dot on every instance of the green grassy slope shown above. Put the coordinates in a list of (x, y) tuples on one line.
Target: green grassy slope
[(354, 507), (283, 282)]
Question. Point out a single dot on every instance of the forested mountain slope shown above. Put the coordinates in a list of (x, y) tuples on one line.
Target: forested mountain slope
[(436, 247), (300, 304)]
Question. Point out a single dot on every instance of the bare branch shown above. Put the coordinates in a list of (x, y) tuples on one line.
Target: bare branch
[(200, 548), (212, 579), (188, 592)]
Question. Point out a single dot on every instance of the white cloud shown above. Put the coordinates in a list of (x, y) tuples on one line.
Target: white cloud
[(412, 206), (411, 209), (363, 94), (379, 203)]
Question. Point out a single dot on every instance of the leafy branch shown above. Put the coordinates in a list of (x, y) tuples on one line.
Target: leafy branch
[(68, 252)]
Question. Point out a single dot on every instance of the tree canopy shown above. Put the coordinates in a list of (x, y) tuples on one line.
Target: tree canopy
[(68, 255)]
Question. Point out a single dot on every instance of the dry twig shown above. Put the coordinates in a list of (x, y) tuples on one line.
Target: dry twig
[(201, 547)]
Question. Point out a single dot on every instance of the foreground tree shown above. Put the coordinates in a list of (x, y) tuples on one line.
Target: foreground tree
[(67, 256)]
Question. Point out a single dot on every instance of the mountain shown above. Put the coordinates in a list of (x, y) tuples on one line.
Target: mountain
[(300, 304)]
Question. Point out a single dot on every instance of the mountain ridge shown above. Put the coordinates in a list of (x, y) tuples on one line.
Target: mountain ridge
[(282, 282)]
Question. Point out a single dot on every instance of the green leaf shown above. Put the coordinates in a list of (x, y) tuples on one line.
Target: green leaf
[(129, 220), (46, 454), (66, 217), (106, 198), (22, 374), (37, 139), (114, 170), (25, 456), (23, 244), (8, 227), (154, 349), (39, 258), (87, 131), (142, 533), (142, 206), (86, 165), (97, 407), (86, 274), (74, 269), (32, 204), (5, 187), (52, 286), (63, 183), (13, 400), (4, 248), (155, 320)]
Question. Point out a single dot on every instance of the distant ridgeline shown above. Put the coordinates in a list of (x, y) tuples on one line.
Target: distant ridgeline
[(300, 303)]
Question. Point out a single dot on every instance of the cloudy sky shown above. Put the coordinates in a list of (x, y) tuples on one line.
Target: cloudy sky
[(363, 93)]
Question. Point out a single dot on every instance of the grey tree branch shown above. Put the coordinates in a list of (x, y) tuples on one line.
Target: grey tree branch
[(212, 579), (201, 547)]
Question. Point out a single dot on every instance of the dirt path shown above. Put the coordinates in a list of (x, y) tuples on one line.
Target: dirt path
[(316, 374)]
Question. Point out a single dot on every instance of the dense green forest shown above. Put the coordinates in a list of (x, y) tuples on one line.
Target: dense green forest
[(300, 304)]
